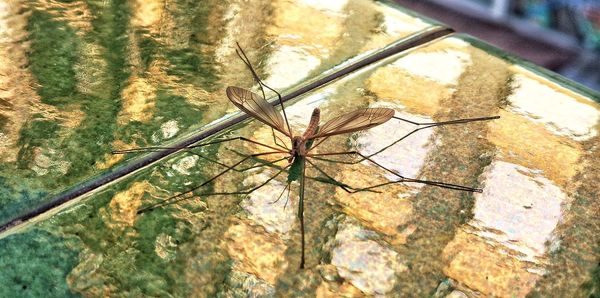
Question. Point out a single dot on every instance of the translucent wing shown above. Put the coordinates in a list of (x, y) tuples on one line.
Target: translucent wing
[(257, 107), (354, 121)]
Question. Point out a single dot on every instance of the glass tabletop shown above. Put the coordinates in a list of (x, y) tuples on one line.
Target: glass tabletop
[(83, 78), (373, 227)]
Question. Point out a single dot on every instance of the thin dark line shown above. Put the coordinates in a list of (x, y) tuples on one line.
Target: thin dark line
[(121, 171)]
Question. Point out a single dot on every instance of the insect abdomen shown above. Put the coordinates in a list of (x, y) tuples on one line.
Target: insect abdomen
[(313, 124)]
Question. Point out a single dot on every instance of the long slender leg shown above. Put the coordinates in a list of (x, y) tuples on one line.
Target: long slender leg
[(345, 187), (424, 125), (288, 198), (263, 163), (301, 209), (403, 179), (319, 142), (457, 121), (158, 148), (178, 197), (352, 189), (327, 180), (246, 192), (427, 125), (246, 61), (282, 192)]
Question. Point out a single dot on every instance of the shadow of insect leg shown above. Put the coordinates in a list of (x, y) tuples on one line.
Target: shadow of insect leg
[(402, 179), (275, 138), (179, 197)]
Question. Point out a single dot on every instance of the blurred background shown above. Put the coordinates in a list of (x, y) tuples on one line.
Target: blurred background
[(561, 35)]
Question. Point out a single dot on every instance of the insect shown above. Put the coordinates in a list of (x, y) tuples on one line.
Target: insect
[(300, 153)]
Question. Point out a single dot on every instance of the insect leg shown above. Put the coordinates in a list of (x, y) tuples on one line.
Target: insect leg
[(179, 197), (282, 192), (402, 178), (274, 165), (344, 186), (422, 126), (426, 125), (246, 192), (157, 148), (352, 189), (301, 209), (457, 121), (287, 199), (260, 165)]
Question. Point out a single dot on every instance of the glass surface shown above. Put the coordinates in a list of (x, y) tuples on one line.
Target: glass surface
[(532, 231), (82, 78)]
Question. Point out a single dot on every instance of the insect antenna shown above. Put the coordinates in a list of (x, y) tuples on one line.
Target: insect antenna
[(261, 84), (251, 68)]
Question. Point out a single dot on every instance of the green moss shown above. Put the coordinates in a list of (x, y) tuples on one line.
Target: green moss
[(36, 264), (190, 64), (129, 259), (92, 139), (89, 142), (168, 107), (149, 48), (36, 134), (53, 54), (110, 30), (185, 64)]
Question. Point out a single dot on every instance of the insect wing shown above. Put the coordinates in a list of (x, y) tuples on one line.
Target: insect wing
[(354, 121), (257, 107)]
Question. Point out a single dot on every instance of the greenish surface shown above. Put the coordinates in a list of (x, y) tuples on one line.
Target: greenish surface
[(238, 245)]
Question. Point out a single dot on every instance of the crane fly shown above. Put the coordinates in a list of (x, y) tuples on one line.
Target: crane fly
[(300, 152)]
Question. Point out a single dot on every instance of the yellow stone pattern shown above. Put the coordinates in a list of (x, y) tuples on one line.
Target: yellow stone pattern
[(487, 268)]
